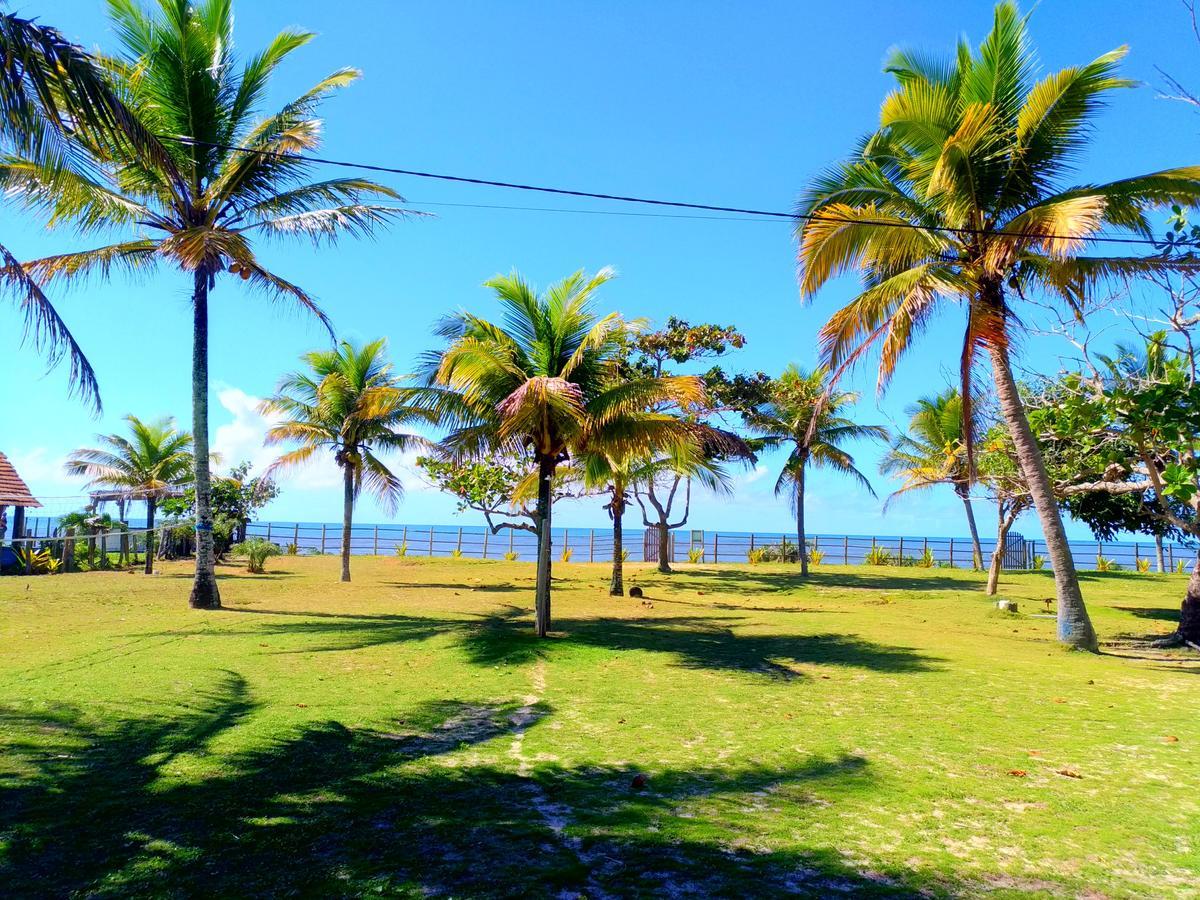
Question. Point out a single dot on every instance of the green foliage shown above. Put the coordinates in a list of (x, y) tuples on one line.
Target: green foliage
[(784, 551), (624, 556), (1038, 563), (1180, 567), (34, 561), (256, 550), (696, 555), (926, 560), (1107, 565), (1142, 564), (512, 556), (567, 552), (236, 500), (402, 549), (292, 549), (879, 556), (755, 555), (816, 557), (456, 553)]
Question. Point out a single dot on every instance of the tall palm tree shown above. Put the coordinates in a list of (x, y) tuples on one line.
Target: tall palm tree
[(807, 414), (542, 381), (50, 91), (934, 451), (960, 197), (154, 459), (223, 174), (350, 403)]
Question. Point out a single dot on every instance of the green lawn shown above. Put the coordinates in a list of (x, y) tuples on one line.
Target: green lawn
[(874, 731)]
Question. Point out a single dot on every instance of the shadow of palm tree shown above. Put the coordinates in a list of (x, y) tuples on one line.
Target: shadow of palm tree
[(881, 578), (332, 811), (698, 642)]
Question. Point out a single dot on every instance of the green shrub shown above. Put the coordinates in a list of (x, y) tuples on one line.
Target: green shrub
[(696, 555), (512, 556), (402, 549), (624, 556), (456, 553), (36, 562), (926, 560), (755, 556), (292, 549), (256, 550), (1107, 565), (1179, 567), (1143, 565), (816, 557), (879, 556), (1039, 563), (566, 555), (784, 551)]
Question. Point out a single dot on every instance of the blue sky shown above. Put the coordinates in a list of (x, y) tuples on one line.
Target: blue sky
[(711, 102)]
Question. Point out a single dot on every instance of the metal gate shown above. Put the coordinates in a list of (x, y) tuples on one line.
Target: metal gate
[(1016, 552)]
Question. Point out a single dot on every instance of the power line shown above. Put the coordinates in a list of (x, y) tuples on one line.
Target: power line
[(588, 212), (676, 204)]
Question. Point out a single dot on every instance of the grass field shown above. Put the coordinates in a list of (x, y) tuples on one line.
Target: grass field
[(875, 731)]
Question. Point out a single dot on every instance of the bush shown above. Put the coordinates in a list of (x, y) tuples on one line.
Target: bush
[(512, 555), (456, 553), (36, 562), (401, 549), (926, 560), (1039, 563), (1143, 565), (784, 551), (566, 555), (696, 555), (816, 557), (1179, 567), (879, 556), (292, 549), (755, 556), (256, 550), (1107, 565)]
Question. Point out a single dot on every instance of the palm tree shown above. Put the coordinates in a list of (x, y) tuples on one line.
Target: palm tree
[(934, 451), (221, 176), (959, 197), (50, 91), (154, 459), (806, 414), (350, 403), (542, 382)]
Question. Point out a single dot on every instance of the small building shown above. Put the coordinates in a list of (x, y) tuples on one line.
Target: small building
[(14, 492)]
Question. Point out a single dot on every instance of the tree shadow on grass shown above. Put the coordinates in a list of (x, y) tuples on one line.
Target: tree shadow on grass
[(1151, 612), (330, 811), (697, 642), (880, 578)]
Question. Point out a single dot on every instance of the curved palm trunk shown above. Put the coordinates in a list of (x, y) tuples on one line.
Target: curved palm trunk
[(976, 548), (801, 536), (544, 508), (617, 587), (1074, 625), (347, 518), (204, 587), (151, 506), (1002, 529)]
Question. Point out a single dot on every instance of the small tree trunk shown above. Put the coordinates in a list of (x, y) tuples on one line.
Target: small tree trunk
[(347, 518), (617, 587), (993, 581), (1160, 562), (801, 536), (151, 504), (1189, 612), (1074, 625), (545, 502), (976, 547), (204, 586), (664, 546)]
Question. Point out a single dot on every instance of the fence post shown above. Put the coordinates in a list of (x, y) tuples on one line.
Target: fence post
[(376, 539), (511, 533), (845, 550), (431, 542), (901, 560), (296, 536), (566, 540), (952, 553), (322, 538), (591, 545), (716, 547), (459, 545), (1136, 558), (1171, 556), (268, 532), (752, 540), (29, 557), (68, 549)]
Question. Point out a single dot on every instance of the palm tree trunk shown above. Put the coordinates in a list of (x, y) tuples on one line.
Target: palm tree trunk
[(1002, 529), (801, 537), (150, 508), (347, 518), (1074, 625), (617, 587), (976, 547), (204, 587), (545, 502), (664, 547), (1159, 559)]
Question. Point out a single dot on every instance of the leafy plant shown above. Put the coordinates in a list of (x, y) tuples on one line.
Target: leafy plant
[(1107, 565), (256, 550), (456, 553), (566, 554), (755, 556), (926, 560), (624, 556), (292, 549), (1143, 565), (879, 556), (816, 557), (1179, 567), (37, 562), (784, 551), (402, 549), (696, 555), (512, 556), (1038, 563)]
